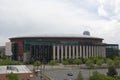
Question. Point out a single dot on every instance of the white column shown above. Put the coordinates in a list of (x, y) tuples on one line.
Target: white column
[(104, 51), (61, 52), (54, 52), (76, 51), (69, 51), (94, 51), (86, 51), (83, 52), (80, 51), (90, 51), (73, 49), (66, 52), (100, 51), (97, 51), (58, 57)]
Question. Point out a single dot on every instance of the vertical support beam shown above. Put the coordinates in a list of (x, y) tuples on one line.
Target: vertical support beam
[(104, 51), (83, 52), (58, 58), (99, 51), (80, 51), (90, 49), (86, 51), (69, 51), (66, 52), (77, 51), (94, 51), (61, 52), (73, 52), (54, 52)]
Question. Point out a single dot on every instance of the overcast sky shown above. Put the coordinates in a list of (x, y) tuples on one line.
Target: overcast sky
[(35, 17)]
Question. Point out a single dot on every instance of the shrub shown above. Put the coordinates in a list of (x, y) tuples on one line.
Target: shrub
[(112, 71), (80, 77), (65, 62)]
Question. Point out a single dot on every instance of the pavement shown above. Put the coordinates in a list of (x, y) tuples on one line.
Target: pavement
[(60, 72)]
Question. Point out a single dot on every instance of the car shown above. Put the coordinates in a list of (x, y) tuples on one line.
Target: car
[(37, 70), (69, 74)]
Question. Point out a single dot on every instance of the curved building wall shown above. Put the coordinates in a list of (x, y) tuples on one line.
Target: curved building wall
[(56, 48)]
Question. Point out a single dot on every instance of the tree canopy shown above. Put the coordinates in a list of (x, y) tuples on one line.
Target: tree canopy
[(12, 76)]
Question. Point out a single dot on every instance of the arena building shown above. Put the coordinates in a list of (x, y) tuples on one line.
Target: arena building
[(60, 47)]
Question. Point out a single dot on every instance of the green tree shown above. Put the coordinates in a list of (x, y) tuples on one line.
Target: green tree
[(100, 62), (117, 61), (15, 62), (65, 62), (52, 63), (6, 62), (98, 76), (12, 76), (95, 76), (71, 61), (80, 77), (9, 62), (112, 71), (117, 77), (89, 63), (84, 60), (109, 62), (78, 61), (37, 64)]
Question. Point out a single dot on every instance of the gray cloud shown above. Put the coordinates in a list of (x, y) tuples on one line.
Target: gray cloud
[(34, 17), (110, 9)]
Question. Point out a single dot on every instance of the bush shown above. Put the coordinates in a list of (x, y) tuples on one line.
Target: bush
[(109, 62), (112, 71), (52, 62), (12, 76), (89, 63), (98, 76), (79, 77), (78, 61), (100, 62), (95, 76), (9, 62), (71, 61), (65, 62)]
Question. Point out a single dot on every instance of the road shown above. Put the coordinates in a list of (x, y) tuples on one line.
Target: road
[(61, 74)]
